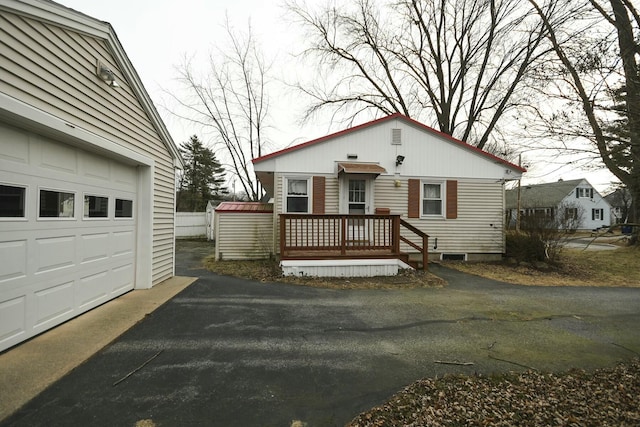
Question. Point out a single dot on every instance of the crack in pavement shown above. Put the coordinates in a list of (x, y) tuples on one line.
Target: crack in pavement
[(458, 320)]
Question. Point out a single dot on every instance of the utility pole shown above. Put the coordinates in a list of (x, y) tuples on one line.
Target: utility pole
[(518, 202)]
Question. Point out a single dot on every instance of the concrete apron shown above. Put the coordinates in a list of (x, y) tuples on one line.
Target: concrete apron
[(30, 367)]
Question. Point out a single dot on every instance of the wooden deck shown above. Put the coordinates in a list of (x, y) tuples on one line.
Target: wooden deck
[(304, 236)]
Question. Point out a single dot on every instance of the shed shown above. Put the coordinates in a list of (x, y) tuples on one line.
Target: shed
[(243, 230)]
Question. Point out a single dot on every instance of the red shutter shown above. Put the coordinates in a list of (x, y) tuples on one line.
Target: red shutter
[(318, 195), (413, 203), (452, 199)]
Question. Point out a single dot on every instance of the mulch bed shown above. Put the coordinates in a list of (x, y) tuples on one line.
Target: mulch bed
[(605, 397)]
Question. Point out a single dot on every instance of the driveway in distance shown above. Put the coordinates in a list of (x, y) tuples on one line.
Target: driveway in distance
[(231, 352)]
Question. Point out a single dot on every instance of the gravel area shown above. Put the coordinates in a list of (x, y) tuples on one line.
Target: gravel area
[(605, 397)]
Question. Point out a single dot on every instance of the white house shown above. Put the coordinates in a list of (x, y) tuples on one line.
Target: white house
[(376, 190), (87, 171), (569, 198)]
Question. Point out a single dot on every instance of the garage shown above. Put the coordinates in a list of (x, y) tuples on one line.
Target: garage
[(87, 171), (67, 232)]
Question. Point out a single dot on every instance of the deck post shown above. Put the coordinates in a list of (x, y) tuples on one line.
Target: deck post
[(282, 235), (396, 233), (343, 235), (425, 252)]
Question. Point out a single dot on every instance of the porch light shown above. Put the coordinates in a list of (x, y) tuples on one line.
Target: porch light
[(399, 160)]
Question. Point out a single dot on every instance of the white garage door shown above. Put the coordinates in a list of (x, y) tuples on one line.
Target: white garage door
[(67, 232)]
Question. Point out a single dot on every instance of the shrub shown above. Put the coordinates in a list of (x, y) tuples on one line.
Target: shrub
[(525, 247)]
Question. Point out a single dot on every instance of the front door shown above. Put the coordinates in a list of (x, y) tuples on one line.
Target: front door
[(357, 197), (358, 203)]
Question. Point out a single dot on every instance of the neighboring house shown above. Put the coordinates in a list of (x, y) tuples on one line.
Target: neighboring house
[(365, 192), (87, 171), (620, 202), (573, 199)]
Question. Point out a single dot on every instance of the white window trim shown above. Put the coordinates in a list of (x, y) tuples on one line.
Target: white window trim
[(25, 217), (98, 218), (123, 218), (597, 214), (443, 198), (285, 186), (58, 218)]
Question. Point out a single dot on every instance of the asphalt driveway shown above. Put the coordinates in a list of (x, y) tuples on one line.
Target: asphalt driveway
[(231, 352)]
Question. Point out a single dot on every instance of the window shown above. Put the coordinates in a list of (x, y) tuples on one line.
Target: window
[(597, 214), (12, 201), (432, 199), (571, 213), (357, 196), (96, 206), (124, 208), (586, 193), (56, 204), (297, 198)]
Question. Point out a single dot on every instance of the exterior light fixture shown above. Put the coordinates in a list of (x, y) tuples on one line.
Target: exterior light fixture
[(106, 75), (399, 160)]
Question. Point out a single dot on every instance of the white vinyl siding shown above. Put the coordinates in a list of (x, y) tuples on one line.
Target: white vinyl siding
[(478, 228), (53, 69), (331, 203), (245, 236)]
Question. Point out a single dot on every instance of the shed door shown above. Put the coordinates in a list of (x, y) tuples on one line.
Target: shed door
[(67, 232)]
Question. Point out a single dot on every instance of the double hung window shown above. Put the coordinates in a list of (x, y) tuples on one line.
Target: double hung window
[(432, 199), (297, 195)]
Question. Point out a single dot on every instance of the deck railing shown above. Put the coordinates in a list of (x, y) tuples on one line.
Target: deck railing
[(344, 236)]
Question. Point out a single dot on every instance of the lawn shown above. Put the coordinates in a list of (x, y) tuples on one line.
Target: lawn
[(269, 271), (620, 267)]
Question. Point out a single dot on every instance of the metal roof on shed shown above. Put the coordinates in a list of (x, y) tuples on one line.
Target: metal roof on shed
[(245, 207)]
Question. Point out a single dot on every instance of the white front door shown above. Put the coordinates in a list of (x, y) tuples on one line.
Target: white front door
[(357, 195)]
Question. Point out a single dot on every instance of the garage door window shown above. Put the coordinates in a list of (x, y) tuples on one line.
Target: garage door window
[(56, 204), (124, 208), (12, 201), (96, 206)]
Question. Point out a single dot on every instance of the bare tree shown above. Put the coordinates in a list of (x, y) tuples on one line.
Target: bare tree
[(594, 72), (545, 232), (230, 103), (455, 64)]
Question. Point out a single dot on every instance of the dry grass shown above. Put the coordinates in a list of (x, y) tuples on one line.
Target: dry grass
[(620, 267), (269, 271)]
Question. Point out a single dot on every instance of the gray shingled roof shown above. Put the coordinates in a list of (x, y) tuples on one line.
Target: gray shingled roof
[(541, 195)]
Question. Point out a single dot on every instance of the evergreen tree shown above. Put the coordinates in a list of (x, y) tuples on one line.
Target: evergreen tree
[(202, 179)]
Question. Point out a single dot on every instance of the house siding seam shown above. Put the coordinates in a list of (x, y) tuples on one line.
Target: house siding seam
[(116, 115)]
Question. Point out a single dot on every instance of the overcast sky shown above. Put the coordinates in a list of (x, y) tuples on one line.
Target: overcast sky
[(157, 34)]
